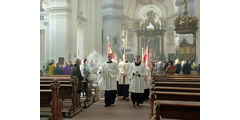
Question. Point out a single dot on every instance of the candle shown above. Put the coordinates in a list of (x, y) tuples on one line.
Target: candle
[(126, 39), (107, 38)]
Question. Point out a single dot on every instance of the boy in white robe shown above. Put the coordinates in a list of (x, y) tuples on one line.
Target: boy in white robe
[(109, 72), (137, 74), (124, 80)]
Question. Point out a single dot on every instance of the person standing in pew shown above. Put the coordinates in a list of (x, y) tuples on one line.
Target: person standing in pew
[(182, 64), (58, 70), (75, 71), (84, 68), (178, 67), (136, 87), (165, 64), (187, 68), (170, 70), (198, 69), (67, 69), (51, 67), (109, 73)]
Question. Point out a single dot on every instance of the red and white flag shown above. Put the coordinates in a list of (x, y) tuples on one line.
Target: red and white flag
[(109, 49), (146, 57)]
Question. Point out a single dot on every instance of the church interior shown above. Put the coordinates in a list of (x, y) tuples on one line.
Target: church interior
[(119, 60), (164, 34), (78, 28)]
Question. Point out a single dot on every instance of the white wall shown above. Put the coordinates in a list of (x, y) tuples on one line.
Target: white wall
[(64, 36)]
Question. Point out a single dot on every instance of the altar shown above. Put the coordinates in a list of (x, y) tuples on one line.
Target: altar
[(151, 33)]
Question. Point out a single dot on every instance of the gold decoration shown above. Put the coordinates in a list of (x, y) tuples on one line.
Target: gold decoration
[(150, 19), (187, 25)]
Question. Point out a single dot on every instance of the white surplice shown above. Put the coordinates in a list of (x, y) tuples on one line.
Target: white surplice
[(137, 83), (109, 72), (124, 69), (147, 78)]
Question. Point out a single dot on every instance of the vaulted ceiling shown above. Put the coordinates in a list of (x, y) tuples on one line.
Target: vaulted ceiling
[(132, 8)]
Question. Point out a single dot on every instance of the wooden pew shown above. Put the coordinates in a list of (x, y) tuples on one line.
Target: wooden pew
[(59, 77), (176, 76), (177, 89), (50, 81), (175, 79), (167, 79), (174, 95), (86, 85), (185, 96), (65, 79), (68, 90), (178, 84), (184, 88), (185, 110), (41, 73), (49, 101)]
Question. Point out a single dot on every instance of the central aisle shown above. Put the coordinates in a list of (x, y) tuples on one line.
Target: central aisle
[(121, 110)]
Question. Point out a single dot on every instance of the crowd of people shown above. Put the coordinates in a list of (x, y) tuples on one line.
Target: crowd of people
[(170, 68), (120, 78)]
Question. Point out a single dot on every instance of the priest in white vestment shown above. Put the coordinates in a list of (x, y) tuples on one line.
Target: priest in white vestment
[(109, 72), (137, 74), (124, 79)]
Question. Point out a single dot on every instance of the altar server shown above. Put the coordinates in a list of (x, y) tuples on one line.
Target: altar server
[(136, 88), (109, 72), (124, 79)]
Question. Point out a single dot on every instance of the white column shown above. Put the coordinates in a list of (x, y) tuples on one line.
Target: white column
[(47, 45), (89, 30), (112, 12), (59, 28), (73, 31), (197, 13), (170, 42), (42, 48), (93, 28)]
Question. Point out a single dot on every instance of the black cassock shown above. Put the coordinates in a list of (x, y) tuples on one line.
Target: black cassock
[(146, 94), (137, 97), (123, 90), (110, 97)]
